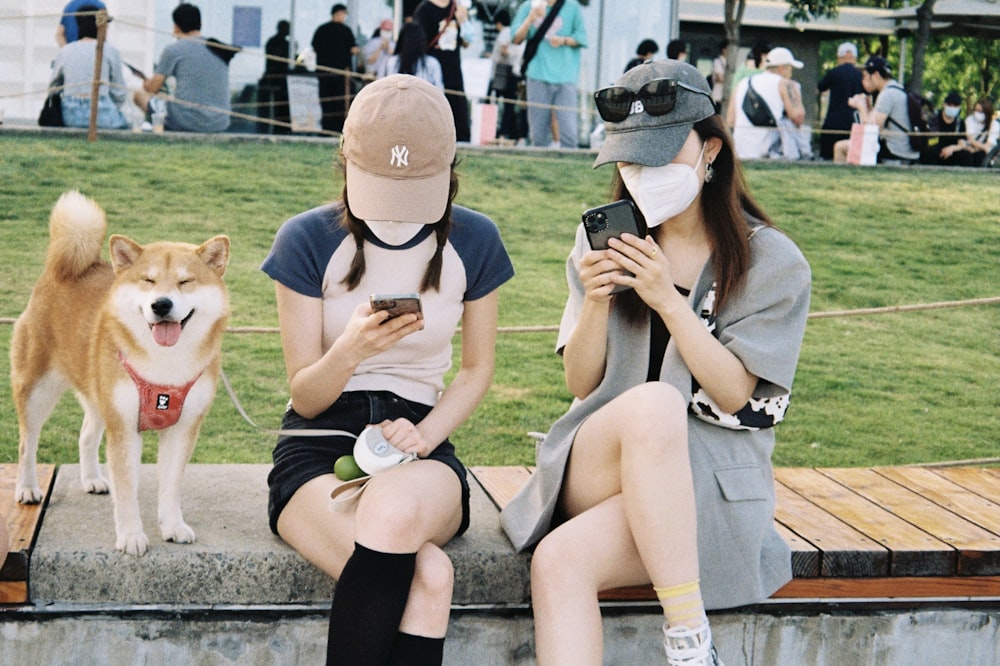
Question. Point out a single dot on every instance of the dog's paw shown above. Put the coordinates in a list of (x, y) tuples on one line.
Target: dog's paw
[(135, 543), (178, 533), (95, 485), (29, 495)]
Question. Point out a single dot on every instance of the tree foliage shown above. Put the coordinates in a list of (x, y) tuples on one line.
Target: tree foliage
[(805, 10), (939, 63), (965, 64)]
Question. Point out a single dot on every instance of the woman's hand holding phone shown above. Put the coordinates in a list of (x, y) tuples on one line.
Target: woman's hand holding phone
[(597, 271), (371, 332), (604, 224)]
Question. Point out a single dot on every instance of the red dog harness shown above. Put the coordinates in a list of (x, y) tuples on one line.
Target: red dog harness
[(159, 406)]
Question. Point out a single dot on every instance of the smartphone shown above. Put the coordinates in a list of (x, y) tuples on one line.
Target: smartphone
[(396, 304), (611, 221)]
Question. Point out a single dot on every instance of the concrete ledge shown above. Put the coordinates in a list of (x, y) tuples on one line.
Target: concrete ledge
[(236, 559), (632, 636), (241, 596)]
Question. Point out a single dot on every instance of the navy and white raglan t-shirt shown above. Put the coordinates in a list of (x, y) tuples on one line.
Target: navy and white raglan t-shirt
[(312, 253)]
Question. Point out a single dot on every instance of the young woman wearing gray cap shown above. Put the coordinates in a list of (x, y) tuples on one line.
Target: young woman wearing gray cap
[(660, 471), (351, 365)]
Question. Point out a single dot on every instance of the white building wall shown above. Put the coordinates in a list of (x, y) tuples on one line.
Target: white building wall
[(28, 46)]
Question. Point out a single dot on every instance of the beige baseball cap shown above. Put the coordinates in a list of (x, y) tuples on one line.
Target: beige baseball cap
[(398, 146)]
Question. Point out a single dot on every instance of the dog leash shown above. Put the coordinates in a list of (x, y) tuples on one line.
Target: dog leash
[(294, 432)]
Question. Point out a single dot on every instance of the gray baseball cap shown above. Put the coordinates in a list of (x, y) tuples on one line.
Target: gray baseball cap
[(655, 140)]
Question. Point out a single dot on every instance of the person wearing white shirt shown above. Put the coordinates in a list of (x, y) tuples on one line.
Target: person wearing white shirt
[(982, 131), (780, 94)]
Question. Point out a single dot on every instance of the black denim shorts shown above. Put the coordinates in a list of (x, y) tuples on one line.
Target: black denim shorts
[(298, 459)]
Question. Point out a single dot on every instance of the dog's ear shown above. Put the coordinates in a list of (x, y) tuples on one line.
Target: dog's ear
[(124, 252), (215, 253)]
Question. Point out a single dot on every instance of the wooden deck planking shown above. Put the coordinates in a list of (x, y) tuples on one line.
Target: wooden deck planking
[(805, 556), (833, 527), (948, 494), (22, 526), (983, 482), (914, 552), (896, 587), (501, 483), (843, 551), (977, 551)]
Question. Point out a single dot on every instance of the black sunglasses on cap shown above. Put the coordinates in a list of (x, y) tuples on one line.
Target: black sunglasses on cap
[(657, 97)]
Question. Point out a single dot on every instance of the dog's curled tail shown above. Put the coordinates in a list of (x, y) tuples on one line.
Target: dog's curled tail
[(76, 233)]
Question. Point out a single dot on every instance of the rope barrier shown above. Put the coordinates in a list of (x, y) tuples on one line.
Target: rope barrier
[(830, 314)]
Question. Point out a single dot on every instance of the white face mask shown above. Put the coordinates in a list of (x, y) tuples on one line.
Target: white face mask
[(385, 34), (662, 192), (393, 233), (980, 117), (951, 112)]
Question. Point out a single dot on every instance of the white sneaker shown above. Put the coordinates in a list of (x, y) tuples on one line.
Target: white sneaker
[(690, 647)]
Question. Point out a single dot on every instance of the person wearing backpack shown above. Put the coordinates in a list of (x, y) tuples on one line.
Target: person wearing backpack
[(891, 114)]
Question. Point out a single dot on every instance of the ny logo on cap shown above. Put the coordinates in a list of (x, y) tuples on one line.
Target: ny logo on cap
[(637, 107), (400, 156)]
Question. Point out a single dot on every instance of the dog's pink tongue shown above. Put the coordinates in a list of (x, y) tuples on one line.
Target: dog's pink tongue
[(167, 333)]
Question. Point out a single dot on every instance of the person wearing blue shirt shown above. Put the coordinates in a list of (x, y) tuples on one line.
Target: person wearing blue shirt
[(553, 72)]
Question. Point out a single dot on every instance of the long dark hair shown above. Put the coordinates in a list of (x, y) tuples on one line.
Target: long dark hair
[(725, 203), (432, 276), (411, 46)]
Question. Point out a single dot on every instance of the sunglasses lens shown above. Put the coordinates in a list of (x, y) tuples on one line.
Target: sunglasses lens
[(659, 96), (613, 103)]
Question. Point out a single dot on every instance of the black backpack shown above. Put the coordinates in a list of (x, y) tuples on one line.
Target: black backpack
[(920, 113)]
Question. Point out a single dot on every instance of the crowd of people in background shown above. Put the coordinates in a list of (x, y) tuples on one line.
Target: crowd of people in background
[(768, 120), (535, 52)]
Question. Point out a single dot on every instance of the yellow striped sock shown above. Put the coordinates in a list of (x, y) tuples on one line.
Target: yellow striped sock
[(682, 604)]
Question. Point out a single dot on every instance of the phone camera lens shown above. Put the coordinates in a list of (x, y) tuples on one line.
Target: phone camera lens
[(596, 222)]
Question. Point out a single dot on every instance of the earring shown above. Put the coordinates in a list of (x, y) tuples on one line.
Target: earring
[(709, 173)]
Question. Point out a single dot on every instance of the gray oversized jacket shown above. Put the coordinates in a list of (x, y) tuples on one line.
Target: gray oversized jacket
[(742, 558)]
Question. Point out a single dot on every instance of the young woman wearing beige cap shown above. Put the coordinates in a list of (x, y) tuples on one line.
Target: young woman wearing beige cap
[(394, 230)]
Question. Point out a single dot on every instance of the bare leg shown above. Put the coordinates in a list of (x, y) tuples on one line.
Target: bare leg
[(629, 494), (840, 151), (637, 445), (564, 586), (418, 512)]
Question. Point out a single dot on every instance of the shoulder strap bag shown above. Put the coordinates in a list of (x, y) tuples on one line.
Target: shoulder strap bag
[(447, 22), (756, 108), (531, 47)]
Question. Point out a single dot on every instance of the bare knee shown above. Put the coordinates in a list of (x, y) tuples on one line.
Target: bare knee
[(552, 567), (655, 400), (387, 521), (429, 604), (434, 576), (653, 414)]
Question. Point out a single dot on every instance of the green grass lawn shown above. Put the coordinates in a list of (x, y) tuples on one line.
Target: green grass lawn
[(874, 389)]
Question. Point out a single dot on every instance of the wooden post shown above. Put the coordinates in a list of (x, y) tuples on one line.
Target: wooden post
[(95, 86)]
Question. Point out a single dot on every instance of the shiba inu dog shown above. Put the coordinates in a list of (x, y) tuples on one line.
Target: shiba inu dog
[(139, 341)]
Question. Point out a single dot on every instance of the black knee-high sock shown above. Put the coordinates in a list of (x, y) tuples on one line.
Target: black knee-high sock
[(410, 650), (368, 606)]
